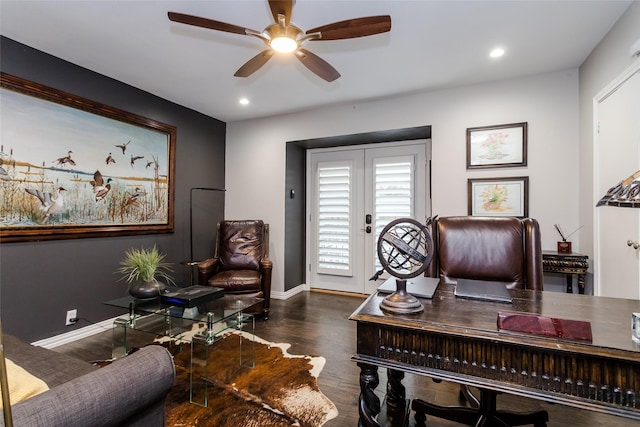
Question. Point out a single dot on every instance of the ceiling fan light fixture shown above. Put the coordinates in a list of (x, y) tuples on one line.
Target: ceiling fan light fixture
[(283, 44), (284, 37)]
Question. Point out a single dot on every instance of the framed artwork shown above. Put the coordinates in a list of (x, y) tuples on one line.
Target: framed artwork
[(71, 167), (497, 146), (499, 196)]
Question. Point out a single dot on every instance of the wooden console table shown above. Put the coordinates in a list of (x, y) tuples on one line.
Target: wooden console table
[(457, 340), (569, 264)]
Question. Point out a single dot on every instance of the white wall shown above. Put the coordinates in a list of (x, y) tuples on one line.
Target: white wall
[(608, 60), (255, 157)]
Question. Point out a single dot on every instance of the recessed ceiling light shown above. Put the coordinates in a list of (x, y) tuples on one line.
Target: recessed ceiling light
[(244, 101), (497, 52)]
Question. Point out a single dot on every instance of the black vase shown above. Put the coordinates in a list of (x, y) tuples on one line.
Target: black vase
[(147, 290)]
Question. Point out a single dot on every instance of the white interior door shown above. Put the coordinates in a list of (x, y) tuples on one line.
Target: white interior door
[(617, 135), (353, 194)]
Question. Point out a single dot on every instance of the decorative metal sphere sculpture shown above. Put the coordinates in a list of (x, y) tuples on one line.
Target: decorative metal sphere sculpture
[(405, 249)]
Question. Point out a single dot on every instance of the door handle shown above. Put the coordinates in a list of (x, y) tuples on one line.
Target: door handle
[(368, 229), (635, 245)]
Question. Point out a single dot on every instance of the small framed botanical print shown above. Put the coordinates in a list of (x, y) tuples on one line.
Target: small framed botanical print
[(497, 146), (499, 196)]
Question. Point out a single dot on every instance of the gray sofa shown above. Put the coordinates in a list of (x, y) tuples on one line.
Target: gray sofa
[(128, 392)]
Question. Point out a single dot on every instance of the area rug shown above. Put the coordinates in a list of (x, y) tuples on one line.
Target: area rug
[(281, 390)]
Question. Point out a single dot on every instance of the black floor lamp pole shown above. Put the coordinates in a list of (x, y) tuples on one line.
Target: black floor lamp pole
[(191, 260)]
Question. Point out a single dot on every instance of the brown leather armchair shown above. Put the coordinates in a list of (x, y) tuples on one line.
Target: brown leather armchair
[(485, 248), (240, 263)]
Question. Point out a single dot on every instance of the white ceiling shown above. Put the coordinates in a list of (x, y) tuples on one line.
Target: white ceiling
[(432, 45)]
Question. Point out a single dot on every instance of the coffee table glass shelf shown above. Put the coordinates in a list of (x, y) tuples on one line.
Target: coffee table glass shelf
[(198, 326)]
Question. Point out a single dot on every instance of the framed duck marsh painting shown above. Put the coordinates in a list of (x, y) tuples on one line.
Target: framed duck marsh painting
[(72, 168)]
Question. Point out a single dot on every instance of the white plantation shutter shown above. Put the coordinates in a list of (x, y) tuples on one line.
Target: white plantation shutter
[(394, 192), (335, 218)]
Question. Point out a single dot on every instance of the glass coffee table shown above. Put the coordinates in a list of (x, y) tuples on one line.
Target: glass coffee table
[(199, 327)]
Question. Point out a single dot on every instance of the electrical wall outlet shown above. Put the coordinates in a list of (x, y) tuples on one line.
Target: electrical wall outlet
[(71, 314)]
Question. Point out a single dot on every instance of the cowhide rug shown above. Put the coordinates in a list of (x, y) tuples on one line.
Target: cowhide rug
[(281, 390)]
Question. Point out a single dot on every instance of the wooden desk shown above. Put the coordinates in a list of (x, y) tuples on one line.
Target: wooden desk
[(569, 264), (457, 340)]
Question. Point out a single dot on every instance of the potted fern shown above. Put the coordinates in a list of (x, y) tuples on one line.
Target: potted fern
[(141, 269)]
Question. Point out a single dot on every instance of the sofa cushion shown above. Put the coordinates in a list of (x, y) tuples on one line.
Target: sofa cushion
[(128, 392), (22, 385), (237, 281), (51, 367)]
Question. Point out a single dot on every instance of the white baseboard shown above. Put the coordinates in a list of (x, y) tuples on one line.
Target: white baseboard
[(291, 292), (106, 325), (76, 334)]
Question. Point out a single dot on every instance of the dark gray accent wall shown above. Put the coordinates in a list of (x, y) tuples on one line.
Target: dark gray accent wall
[(40, 281), (296, 174), (294, 221)]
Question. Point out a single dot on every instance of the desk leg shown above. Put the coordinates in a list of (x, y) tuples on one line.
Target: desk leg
[(581, 283), (569, 283), (369, 403), (396, 393), (398, 407)]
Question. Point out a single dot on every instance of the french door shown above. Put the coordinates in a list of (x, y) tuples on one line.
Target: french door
[(352, 194)]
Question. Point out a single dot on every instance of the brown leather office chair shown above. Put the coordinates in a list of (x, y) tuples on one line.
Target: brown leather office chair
[(241, 264), (485, 248)]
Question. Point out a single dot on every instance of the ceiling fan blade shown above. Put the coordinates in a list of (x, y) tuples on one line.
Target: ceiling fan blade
[(282, 8), (208, 23), (352, 28), (317, 65), (254, 64)]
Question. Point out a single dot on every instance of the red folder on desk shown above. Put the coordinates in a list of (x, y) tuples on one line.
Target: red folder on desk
[(542, 325)]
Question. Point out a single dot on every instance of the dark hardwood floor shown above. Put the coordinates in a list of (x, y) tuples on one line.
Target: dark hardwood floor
[(317, 323)]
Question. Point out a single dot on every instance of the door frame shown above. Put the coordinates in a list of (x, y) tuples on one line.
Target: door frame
[(424, 186), (294, 188), (601, 96)]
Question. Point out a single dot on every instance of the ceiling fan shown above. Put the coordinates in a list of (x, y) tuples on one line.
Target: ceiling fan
[(283, 36)]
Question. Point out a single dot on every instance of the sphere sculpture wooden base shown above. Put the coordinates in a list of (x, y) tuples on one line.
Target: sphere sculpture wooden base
[(401, 302)]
